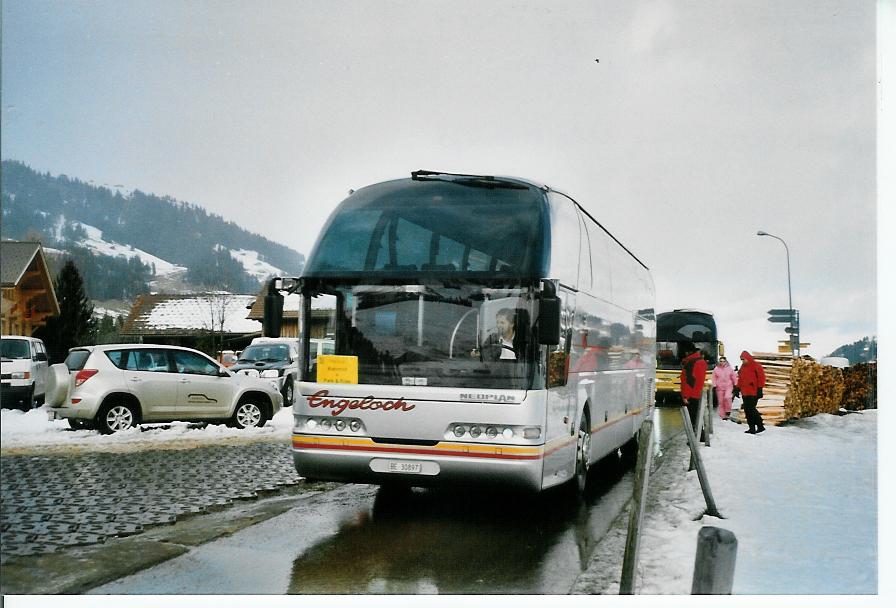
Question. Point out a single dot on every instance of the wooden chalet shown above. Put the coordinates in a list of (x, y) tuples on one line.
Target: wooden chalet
[(28, 295)]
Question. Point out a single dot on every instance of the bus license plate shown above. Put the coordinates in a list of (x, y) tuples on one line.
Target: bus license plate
[(397, 466), (412, 467)]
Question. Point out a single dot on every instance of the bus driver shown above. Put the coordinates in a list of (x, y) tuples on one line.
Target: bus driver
[(499, 346)]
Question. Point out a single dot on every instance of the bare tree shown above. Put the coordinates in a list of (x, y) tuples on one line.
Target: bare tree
[(215, 321)]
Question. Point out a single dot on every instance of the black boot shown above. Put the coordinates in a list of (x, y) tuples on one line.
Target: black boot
[(760, 429), (751, 431)]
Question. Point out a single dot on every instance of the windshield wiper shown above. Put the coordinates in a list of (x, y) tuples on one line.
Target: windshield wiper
[(476, 181)]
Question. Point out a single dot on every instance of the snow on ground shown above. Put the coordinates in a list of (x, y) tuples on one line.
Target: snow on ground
[(801, 500), (101, 311), (97, 244), (254, 265), (27, 431)]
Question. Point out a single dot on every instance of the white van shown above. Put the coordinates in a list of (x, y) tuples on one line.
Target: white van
[(24, 372)]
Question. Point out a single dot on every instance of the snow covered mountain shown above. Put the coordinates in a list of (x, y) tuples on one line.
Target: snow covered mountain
[(126, 243)]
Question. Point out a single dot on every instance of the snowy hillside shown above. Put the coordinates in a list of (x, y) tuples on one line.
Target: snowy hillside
[(106, 230), (254, 265), (98, 245)]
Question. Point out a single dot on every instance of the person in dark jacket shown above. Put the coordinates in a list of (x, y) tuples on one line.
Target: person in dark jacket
[(693, 376), (750, 381)]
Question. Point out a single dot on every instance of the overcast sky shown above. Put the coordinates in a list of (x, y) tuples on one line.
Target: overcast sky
[(684, 127)]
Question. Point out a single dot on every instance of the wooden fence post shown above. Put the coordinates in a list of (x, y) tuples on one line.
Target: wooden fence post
[(639, 500), (698, 462), (714, 564)]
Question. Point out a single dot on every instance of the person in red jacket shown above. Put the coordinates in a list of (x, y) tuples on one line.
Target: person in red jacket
[(750, 381), (693, 376)]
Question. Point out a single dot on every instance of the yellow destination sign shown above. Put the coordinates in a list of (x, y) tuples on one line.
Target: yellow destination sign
[(337, 369)]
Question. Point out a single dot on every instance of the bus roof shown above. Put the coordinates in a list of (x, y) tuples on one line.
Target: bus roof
[(697, 310), (486, 180)]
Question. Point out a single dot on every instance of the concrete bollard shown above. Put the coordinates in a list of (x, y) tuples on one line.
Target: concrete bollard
[(714, 564)]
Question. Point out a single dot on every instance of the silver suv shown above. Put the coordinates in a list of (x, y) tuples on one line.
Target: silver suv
[(113, 387)]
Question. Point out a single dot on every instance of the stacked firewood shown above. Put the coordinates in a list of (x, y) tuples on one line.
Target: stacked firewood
[(814, 389), (797, 388), (860, 386)]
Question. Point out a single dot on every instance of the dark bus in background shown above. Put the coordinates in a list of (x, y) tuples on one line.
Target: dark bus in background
[(672, 330), (420, 274)]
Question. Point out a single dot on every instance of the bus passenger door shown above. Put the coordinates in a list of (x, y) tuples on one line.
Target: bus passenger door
[(560, 430)]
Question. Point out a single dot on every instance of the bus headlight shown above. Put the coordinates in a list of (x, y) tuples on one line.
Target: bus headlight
[(355, 425), (475, 431), (339, 425), (459, 430)]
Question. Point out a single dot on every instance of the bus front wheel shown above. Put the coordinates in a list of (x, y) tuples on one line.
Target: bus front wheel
[(583, 450)]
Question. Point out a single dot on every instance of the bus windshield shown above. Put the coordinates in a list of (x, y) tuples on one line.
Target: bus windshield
[(457, 335), (404, 228), (675, 328)]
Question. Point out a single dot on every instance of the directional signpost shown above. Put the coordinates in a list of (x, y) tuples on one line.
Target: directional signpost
[(782, 315), (792, 317)]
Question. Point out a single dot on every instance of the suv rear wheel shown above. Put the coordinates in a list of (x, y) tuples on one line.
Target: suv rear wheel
[(249, 414), (116, 416)]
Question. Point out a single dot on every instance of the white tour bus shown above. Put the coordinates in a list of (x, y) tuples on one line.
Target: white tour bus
[(487, 330)]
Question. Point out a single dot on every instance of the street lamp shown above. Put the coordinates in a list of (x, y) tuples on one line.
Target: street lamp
[(789, 292)]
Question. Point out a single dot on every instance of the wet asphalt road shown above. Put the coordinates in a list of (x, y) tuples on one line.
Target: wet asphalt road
[(334, 539)]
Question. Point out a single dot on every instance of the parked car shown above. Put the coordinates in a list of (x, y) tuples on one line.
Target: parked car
[(113, 387), (275, 360), (23, 372)]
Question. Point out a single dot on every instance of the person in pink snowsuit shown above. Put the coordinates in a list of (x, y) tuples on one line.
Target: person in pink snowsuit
[(724, 379)]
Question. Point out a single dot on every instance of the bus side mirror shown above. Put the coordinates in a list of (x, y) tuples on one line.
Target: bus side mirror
[(548, 315), (273, 311)]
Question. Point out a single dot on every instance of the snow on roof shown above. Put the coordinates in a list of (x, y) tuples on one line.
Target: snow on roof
[(176, 313)]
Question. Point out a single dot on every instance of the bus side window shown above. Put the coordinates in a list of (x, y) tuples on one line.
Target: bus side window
[(586, 268), (566, 231)]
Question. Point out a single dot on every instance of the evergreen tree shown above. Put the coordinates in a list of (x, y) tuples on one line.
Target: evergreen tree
[(74, 326), (108, 329)]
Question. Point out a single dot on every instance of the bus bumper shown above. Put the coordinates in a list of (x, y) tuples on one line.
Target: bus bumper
[(444, 464)]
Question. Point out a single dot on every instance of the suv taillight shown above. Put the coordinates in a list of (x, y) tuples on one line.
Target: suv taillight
[(84, 375)]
